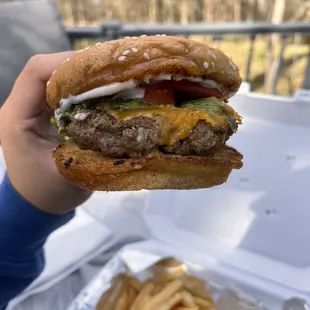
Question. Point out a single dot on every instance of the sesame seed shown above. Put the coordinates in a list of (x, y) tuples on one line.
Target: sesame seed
[(81, 116), (157, 35), (53, 72), (213, 55), (147, 78), (232, 64), (126, 53), (142, 36), (163, 35), (186, 50), (80, 51), (147, 56), (206, 65), (212, 64), (86, 48), (134, 37), (127, 38), (138, 167), (48, 83), (66, 60), (122, 58), (134, 49), (98, 43)]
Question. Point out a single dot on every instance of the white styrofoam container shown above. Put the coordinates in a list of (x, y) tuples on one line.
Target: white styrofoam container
[(256, 227)]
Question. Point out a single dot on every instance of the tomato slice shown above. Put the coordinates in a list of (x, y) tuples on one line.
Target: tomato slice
[(190, 89), (165, 92), (159, 96)]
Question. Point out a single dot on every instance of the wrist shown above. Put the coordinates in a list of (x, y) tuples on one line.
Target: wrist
[(53, 196), (27, 226)]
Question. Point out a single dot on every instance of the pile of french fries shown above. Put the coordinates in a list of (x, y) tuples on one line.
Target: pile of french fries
[(169, 287)]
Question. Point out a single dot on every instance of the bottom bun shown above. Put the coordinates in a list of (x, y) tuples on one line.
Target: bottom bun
[(90, 170)]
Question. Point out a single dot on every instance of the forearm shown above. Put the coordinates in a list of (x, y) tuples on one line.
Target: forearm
[(23, 232)]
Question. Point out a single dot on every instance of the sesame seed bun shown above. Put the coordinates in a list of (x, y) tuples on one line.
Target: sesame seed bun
[(134, 58), (92, 171)]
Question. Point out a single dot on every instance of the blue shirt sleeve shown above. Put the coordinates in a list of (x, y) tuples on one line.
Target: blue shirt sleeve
[(23, 232)]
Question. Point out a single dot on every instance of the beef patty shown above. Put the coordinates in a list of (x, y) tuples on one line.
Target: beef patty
[(138, 136)]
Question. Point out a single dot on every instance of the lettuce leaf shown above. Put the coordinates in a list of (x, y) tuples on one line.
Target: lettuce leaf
[(214, 105), (124, 105)]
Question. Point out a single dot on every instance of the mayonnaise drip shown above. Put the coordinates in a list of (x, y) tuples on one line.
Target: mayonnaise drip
[(106, 90)]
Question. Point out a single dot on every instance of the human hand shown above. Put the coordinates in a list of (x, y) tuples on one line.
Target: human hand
[(27, 140)]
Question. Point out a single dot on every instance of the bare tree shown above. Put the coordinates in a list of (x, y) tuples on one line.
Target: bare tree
[(237, 10), (273, 61)]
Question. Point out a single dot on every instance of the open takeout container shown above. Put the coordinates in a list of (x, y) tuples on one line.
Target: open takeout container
[(254, 230)]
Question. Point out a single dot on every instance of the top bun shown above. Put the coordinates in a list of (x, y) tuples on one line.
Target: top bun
[(134, 58)]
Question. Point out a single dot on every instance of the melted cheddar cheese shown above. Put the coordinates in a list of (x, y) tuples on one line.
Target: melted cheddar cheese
[(177, 123)]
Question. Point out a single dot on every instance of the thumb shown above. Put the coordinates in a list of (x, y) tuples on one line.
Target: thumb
[(27, 98)]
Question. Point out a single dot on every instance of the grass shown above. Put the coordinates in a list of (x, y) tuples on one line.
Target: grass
[(295, 59)]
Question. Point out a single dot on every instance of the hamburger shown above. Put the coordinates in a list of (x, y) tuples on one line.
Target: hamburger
[(145, 113)]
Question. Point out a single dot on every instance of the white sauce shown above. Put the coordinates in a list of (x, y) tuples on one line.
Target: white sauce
[(162, 77), (58, 114), (142, 135), (147, 78), (128, 89), (137, 92), (107, 90), (81, 116)]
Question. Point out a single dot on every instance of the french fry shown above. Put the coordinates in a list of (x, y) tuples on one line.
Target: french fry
[(134, 282), (142, 296), (188, 299), (196, 287), (132, 294), (122, 301), (109, 299), (169, 303), (104, 299), (168, 262), (193, 282), (159, 287), (167, 269), (172, 288), (165, 275), (185, 308), (204, 304)]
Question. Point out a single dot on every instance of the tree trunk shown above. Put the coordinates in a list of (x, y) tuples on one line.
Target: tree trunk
[(237, 11), (199, 10), (251, 10), (153, 11), (209, 11), (183, 12), (271, 68), (159, 11)]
